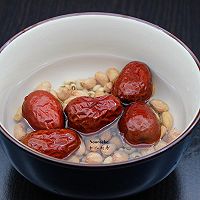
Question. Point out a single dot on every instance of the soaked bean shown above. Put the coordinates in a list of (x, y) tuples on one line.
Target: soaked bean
[(108, 160), (117, 141), (120, 156), (18, 115), (108, 149), (93, 158)]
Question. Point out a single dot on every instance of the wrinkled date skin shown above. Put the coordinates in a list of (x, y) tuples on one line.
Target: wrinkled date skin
[(87, 114), (43, 111), (57, 143), (139, 125), (134, 83)]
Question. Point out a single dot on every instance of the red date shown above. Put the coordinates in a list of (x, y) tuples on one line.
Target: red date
[(139, 125), (134, 83), (43, 111), (57, 143), (87, 114)]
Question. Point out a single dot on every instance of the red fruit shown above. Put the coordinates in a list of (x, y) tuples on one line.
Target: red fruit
[(57, 143), (139, 125), (87, 114), (134, 83), (43, 111)]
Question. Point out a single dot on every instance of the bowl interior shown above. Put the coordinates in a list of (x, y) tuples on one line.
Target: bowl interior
[(76, 47)]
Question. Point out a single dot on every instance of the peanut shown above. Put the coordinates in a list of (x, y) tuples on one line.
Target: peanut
[(147, 151), (167, 120), (108, 160), (81, 149), (96, 87), (18, 115), (163, 131), (91, 93), (171, 136), (78, 85), (106, 136), (160, 145), (93, 144), (120, 156), (108, 87), (63, 93), (88, 83), (99, 93), (159, 105), (157, 115), (19, 131), (112, 74), (45, 85), (79, 93), (117, 141), (73, 159), (108, 149), (101, 78), (93, 158), (135, 155)]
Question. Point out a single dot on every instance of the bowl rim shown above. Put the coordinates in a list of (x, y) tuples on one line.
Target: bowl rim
[(101, 166)]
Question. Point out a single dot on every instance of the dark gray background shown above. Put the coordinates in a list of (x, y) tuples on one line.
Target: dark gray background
[(180, 17)]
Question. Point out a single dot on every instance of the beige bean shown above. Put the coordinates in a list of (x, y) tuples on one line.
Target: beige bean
[(157, 115), (91, 93), (108, 87), (93, 158), (53, 92), (96, 87), (81, 149), (73, 159), (117, 141), (135, 155), (19, 131), (163, 131), (120, 156), (18, 115), (89, 83), (128, 149), (79, 93), (106, 136), (159, 105), (153, 89), (101, 89), (45, 85), (93, 144), (171, 136), (108, 160), (101, 78), (167, 120), (112, 74), (160, 145), (78, 85), (99, 93), (73, 86), (63, 93), (108, 149), (147, 151)]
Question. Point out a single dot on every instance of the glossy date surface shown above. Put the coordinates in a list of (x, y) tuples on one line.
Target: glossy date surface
[(87, 114), (139, 125), (134, 83), (57, 143), (43, 111)]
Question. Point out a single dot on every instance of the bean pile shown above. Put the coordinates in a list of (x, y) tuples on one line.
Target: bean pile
[(107, 146)]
